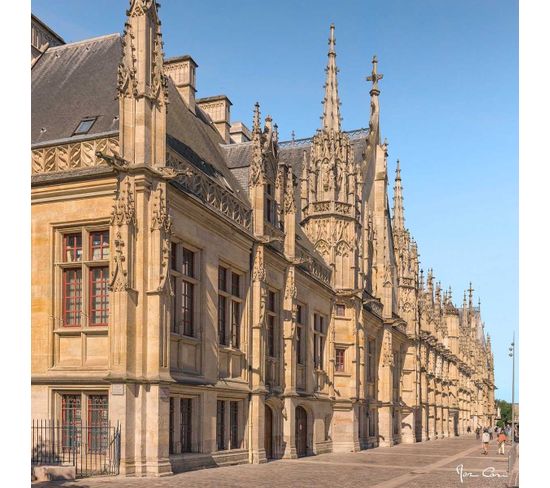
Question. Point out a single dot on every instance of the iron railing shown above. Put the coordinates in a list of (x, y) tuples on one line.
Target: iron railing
[(92, 450)]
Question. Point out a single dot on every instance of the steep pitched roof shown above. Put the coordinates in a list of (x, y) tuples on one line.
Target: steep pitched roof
[(74, 81), (79, 80)]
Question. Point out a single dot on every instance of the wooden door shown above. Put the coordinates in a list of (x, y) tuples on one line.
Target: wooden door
[(301, 432), (268, 433)]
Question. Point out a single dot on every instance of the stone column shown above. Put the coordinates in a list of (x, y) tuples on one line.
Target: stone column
[(385, 428), (289, 428)]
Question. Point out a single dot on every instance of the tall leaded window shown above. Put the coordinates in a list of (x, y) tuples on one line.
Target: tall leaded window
[(300, 336), (71, 421), (184, 275), (98, 423), (186, 424), (72, 297), (269, 204), (319, 338), (230, 304), (84, 278), (340, 365), (234, 425), (220, 425), (371, 358), (271, 323)]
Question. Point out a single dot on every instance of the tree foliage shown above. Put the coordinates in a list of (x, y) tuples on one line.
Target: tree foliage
[(505, 412)]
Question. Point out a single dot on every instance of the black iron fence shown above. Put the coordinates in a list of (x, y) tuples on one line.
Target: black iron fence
[(93, 450)]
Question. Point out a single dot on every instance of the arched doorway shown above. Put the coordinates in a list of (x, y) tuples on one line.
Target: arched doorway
[(268, 433), (301, 431)]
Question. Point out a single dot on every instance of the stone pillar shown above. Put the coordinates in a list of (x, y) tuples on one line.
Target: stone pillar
[(385, 428), (345, 427), (289, 428), (257, 428)]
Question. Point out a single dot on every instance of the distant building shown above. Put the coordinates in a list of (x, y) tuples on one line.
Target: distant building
[(224, 296)]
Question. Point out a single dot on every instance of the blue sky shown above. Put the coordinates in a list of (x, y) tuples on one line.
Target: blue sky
[(449, 108)]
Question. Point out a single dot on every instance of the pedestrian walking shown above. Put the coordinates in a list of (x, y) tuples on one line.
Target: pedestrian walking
[(477, 433), (491, 433), (485, 438), (501, 441), (469, 429)]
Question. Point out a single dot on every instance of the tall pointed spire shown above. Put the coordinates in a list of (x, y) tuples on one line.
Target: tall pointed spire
[(398, 210), (331, 102)]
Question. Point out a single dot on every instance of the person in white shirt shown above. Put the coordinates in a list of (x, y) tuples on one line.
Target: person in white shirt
[(485, 438)]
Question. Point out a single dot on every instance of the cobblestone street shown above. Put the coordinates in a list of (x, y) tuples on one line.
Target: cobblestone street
[(428, 464)]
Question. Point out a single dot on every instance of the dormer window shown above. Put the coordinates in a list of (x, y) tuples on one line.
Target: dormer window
[(84, 126)]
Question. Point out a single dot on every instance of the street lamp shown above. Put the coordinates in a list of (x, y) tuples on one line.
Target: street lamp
[(512, 354)]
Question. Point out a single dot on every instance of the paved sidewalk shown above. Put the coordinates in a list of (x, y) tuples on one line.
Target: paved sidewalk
[(432, 464)]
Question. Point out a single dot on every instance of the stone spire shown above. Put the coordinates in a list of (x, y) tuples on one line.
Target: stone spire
[(398, 210), (331, 102), (470, 297)]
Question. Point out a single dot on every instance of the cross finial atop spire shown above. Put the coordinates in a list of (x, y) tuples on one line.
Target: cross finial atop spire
[(293, 135), (374, 77), (331, 102)]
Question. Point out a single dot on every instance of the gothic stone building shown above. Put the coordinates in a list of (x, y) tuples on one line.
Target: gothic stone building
[(225, 296)]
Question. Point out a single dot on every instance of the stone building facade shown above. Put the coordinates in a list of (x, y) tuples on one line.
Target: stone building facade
[(225, 296)]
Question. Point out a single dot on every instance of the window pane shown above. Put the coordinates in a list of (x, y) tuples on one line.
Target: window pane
[(171, 426), (220, 425), (340, 310), (99, 245), (72, 247), (235, 324), (340, 355), (271, 335), (185, 424), (174, 256), (222, 278), (98, 422), (72, 297), (188, 265), (235, 284), (174, 301), (187, 307), (271, 301), (70, 421), (299, 345), (234, 424), (222, 328), (99, 296)]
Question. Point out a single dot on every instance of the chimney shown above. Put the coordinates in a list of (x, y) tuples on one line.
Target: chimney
[(182, 71), (239, 133), (218, 109)]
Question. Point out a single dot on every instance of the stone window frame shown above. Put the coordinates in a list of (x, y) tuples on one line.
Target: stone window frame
[(301, 329), (228, 424), (177, 278), (231, 300), (174, 424), (344, 367), (319, 340), (274, 314), (85, 394), (85, 264)]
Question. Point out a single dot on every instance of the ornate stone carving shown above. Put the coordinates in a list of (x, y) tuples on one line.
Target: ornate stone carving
[(211, 193), (119, 273), (68, 157), (124, 208), (291, 292), (160, 218), (126, 75), (387, 351), (258, 272)]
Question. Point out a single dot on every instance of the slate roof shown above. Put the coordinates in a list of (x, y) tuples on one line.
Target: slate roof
[(291, 152), (79, 80), (74, 81)]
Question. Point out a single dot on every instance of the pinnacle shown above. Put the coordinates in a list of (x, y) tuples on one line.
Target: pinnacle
[(331, 101)]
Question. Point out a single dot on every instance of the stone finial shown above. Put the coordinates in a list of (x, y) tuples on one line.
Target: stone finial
[(256, 127), (398, 210)]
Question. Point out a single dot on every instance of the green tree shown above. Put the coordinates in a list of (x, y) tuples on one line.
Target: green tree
[(505, 412)]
